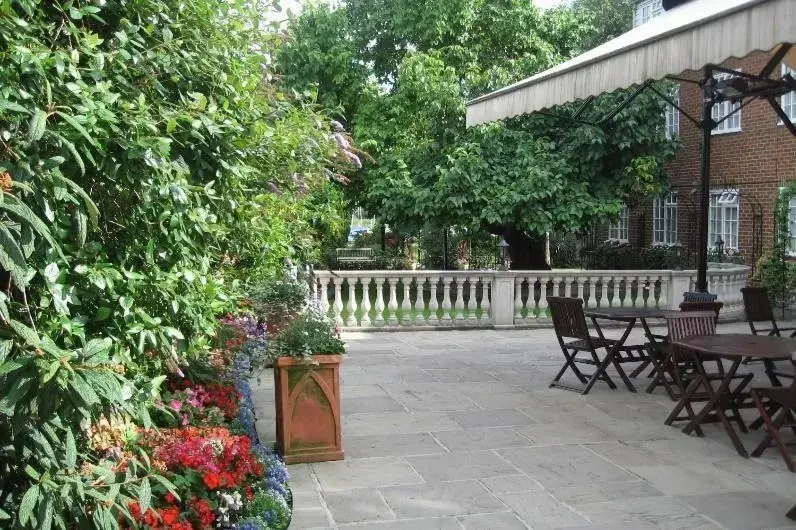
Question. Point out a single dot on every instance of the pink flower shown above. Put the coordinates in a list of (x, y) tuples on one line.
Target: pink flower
[(185, 419), (176, 404)]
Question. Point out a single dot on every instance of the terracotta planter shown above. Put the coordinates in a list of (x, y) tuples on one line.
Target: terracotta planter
[(308, 409)]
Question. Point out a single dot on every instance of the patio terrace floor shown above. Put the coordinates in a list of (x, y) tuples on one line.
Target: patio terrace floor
[(459, 430)]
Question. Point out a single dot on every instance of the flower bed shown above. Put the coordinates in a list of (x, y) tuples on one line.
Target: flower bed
[(214, 472)]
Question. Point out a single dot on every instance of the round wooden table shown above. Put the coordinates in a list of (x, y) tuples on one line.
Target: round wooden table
[(739, 345), (734, 347)]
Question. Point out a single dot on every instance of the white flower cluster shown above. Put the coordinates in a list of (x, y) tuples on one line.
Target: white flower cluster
[(228, 503)]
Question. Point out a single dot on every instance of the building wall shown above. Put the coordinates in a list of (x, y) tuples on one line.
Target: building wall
[(756, 161)]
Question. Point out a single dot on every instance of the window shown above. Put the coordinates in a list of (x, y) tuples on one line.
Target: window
[(789, 100), (618, 229), (673, 116), (647, 10), (725, 108), (664, 219), (723, 219)]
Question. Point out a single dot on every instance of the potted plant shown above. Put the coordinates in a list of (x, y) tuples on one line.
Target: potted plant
[(279, 302), (307, 357)]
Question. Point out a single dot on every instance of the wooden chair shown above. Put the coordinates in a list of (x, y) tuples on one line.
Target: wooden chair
[(660, 350), (569, 322), (699, 297), (785, 399), (757, 306), (683, 365)]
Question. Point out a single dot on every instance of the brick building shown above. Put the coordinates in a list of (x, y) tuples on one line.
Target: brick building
[(752, 155)]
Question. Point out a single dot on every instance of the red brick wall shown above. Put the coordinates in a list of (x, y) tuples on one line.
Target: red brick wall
[(756, 161)]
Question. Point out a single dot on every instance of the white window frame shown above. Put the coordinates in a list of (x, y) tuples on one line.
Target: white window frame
[(789, 99), (721, 218), (672, 116), (646, 11), (725, 108), (618, 229), (664, 219)]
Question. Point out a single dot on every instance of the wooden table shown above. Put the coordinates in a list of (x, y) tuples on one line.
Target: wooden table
[(630, 315), (734, 347)]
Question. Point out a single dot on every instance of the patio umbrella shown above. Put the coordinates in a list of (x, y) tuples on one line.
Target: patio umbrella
[(696, 35)]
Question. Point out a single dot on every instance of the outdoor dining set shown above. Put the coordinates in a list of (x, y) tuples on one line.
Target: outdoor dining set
[(708, 375)]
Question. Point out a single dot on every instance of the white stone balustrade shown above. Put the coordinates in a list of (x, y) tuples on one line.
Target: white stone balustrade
[(432, 299)]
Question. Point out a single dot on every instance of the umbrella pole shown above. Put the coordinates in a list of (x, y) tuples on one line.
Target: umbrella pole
[(706, 125)]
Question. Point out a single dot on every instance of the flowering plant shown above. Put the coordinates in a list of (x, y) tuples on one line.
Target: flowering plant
[(312, 333), (202, 404)]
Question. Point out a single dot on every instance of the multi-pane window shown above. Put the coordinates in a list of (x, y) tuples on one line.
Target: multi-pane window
[(664, 219), (789, 99), (726, 108), (723, 223), (618, 229), (673, 116), (647, 10)]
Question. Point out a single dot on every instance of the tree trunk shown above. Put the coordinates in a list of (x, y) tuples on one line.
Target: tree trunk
[(527, 253)]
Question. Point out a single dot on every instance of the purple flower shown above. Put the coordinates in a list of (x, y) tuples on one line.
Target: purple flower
[(274, 188), (342, 141), (337, 126), (353, 158)]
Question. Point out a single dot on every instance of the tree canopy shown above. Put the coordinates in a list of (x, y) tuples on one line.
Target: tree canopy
[(402, 71)]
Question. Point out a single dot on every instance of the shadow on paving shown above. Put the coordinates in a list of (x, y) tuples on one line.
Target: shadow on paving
[(459, 430)]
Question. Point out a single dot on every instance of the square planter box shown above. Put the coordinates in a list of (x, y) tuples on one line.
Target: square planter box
[(308, 409)]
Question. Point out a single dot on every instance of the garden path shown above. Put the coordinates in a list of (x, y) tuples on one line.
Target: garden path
[(458, 430)]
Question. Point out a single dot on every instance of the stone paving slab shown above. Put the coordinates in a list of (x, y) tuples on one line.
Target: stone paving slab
[(455, 430)]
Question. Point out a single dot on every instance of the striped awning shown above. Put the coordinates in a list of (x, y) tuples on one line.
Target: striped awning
[(685, 38)]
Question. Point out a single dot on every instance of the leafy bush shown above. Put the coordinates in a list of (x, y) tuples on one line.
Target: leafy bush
[(276, 299), (151, 168)]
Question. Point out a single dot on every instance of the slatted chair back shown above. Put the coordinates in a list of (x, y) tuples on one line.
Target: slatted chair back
[(569, 320), (702, 306), (758, 308), (699, 297), (686, 324)]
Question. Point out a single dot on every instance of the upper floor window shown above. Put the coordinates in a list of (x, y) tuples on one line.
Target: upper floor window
[(618, 229), (647, 10), (789, 99), (723, 223), (726, 108), (664, 219), (673, 116)]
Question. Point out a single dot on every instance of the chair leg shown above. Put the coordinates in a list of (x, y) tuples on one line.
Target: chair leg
[(569, 363), (773, 427)]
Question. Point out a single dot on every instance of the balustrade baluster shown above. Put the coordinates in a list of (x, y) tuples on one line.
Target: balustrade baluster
[(406, 306), (338, 301), (419, 305), (530, 301), (392, 304), (592, 301), (472, 303), (366, 321), (446, 299), (603, 290), (486, 284), (351, 319), (459, 304), (379, 301), (323, 295), (544, 283), (433, 304), (518, 298)]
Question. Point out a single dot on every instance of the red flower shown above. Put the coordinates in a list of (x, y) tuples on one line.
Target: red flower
[(170, 515), (171, 499), (211, 480)]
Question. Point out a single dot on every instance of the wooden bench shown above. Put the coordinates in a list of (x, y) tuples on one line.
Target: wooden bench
[(355, 255)]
